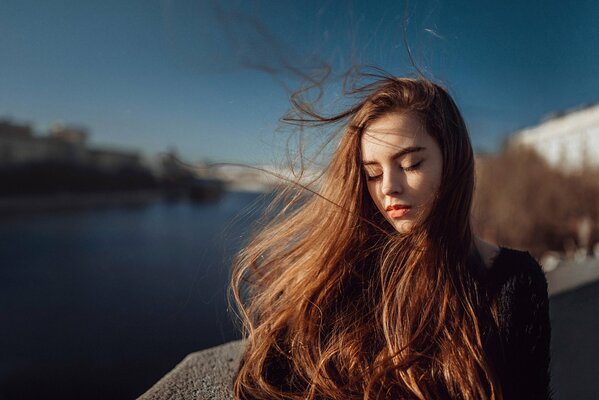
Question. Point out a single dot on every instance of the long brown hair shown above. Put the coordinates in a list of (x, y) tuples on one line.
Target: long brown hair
[(336, 304)]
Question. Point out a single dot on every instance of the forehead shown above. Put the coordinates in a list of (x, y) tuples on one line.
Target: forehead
[(392, 132)]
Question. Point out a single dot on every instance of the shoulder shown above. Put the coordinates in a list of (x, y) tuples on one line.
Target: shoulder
[(525, 327), (520, 287), (206, 374), (513, 268)]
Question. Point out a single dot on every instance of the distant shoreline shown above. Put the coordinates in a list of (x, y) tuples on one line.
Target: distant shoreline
[(74, 201)]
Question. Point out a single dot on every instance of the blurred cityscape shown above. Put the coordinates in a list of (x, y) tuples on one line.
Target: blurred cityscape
[(540, 191), (61, 169)]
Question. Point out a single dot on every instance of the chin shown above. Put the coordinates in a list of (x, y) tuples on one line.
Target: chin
[(402, 226)]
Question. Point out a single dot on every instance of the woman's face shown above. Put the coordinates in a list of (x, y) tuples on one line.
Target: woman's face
[(403, 166)]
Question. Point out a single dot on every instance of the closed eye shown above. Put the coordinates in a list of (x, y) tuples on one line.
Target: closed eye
[(413, 167), (373, 177), (409, 168)]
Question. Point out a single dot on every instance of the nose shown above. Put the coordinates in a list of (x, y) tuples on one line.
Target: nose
[(393, 183)]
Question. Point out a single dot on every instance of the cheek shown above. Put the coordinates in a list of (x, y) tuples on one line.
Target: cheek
[(426, 185), (425, 189), (374, 194)]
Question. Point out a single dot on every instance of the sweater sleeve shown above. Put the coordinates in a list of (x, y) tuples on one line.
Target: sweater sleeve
[(528, 332)]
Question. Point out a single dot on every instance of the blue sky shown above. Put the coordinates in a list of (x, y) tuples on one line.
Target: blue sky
[(149, 74)]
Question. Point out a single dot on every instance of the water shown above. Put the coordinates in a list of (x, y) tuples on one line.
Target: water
[(101, 303)]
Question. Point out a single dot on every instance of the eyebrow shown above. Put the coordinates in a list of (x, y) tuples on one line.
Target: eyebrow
[(401, 153)]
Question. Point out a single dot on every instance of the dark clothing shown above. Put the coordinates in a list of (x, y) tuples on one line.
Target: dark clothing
[(521, 289), (515, 279)]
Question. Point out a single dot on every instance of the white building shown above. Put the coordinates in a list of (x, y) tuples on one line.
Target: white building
[(569, 140)]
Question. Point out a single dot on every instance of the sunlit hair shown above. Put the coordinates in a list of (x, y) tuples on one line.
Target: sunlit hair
[(336, 304)]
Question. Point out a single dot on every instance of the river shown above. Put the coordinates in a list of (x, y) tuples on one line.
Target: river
[(100, 303)]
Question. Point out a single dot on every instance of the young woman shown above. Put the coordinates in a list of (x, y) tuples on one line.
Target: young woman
[(374, 286)]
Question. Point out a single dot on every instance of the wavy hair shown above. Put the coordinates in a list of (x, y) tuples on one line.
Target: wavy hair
[(336, 304)]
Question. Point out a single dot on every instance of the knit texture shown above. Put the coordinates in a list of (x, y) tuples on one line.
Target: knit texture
[(521, 289)]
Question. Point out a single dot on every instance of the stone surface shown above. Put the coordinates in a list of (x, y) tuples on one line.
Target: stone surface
[(572, 275), (206, 374)]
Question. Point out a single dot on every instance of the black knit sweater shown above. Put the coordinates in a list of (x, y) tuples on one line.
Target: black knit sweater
[(523, 349)]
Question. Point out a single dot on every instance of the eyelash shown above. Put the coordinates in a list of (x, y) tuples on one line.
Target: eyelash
[(411, 168)]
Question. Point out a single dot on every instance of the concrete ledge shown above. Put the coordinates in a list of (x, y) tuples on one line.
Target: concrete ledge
[(570, 275), (206, 374)]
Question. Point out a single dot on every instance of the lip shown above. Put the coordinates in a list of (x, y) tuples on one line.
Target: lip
[(397, 210)]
